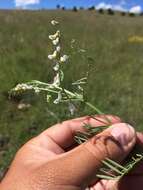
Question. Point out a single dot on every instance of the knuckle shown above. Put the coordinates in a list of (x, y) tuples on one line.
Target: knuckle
[(104, 146)]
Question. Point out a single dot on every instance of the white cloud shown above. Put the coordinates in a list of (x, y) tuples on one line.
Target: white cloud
[(117, 7), (103, 5), (24, 3), (136, 10)]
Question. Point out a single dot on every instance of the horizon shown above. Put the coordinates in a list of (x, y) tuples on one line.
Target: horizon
[(135, 6)]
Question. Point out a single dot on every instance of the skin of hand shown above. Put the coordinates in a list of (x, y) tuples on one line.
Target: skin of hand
[(52, 160)]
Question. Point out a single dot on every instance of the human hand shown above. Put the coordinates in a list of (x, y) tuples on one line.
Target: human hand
[(44, 163)]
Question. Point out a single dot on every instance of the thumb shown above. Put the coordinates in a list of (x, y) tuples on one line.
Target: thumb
[(80, 165)]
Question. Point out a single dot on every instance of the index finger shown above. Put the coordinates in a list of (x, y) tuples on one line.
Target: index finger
[(63, 133)]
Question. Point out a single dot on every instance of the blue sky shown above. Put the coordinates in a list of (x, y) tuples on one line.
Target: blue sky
[(34, 4)]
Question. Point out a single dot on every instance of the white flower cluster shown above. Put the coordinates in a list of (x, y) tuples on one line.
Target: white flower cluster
[(55, 38), (57, 60), (23, 87), (56, 88)]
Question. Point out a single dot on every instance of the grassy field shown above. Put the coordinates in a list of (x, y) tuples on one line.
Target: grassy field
[(115, 77)]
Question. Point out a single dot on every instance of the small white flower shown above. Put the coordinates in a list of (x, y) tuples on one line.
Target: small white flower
[(54, 36), (23, 87), (58, 48), (64, 58), (57, 101), (48, 98), (57, 80), (54, 22), (51, 37), (55, 54), (56, 67), (36, 89), (56, 41), (52, 56)]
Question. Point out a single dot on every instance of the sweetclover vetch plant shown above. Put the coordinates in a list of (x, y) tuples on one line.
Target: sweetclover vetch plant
[(56, 93)]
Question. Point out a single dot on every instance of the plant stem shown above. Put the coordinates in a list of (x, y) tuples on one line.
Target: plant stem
[(94, 108)]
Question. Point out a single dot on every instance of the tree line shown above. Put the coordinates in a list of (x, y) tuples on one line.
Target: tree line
[(101, 10)]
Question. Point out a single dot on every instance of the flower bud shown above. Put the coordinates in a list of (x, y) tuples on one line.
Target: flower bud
[(54, 36), (56, 41), (64, 58), (58, 48), (56, 67), (36, 89), (54, 22), (52, 56)]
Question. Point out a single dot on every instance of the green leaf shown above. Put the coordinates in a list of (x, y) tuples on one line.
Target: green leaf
[(118, 170)]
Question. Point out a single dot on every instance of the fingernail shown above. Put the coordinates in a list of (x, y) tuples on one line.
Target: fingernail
[(123, 133)]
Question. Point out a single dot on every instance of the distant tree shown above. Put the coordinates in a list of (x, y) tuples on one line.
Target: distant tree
[(75, 9), (81, 8), (141, 14), (110, 11), (91, 8), (63, 8), (58, 6), (101, 11), (131, 14), (123, 13)]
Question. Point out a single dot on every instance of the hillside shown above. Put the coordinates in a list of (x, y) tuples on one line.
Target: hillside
[(114, 51)]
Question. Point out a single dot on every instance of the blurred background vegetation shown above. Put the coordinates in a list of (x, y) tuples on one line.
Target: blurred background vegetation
[(115, 65)]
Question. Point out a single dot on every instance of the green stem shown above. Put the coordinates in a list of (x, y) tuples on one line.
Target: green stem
[(94, 108), (69, 94), (48, 90), (99, 112)]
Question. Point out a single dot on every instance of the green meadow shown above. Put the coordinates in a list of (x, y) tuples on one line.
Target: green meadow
[(114, 63)]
